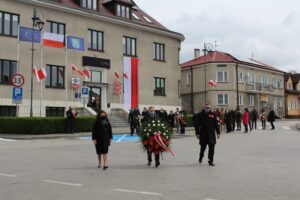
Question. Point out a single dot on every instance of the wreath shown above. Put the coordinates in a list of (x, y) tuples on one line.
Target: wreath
[(155, 136)]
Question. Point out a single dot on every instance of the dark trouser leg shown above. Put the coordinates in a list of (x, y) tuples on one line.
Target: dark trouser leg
[(132, 127), (233, 126), (202, 150), (70, 126), (228, 128), (182, 129), (157, 159), (149, 156), (263, 124), (246, 128), (211, 152), (272, 124), (254, 124)]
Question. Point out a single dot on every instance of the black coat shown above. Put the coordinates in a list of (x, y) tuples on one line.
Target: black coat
[(271, 116), (207, 126), (102, 133), (133, 117)]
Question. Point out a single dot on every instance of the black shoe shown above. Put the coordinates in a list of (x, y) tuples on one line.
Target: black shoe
[(200, 160), (157, 164), (105, 167), (211, 164), (149, 163)]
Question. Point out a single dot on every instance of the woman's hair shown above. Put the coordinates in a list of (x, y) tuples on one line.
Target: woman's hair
[(99, 114)]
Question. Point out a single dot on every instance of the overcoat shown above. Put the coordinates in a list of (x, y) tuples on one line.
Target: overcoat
[(102, 133)]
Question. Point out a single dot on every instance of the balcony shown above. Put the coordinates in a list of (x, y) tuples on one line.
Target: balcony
[(258, 87)]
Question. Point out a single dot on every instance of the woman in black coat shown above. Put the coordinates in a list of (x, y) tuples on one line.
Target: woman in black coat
[(102, 135)]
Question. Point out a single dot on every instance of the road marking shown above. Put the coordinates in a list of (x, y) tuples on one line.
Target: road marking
[(138, 192), (286, 128), (63, 183), (8, 175), (6, 140), (121, 138)]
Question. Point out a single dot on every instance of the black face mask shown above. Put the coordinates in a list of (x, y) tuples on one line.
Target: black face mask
[(102, 117)]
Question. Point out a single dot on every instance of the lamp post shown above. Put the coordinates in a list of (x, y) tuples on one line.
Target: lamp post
[(36, 22)]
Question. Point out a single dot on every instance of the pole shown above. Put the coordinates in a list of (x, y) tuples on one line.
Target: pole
[(237, 86), (192, 90), (32, 63), (66, 74), (41, 83), (18, 61)]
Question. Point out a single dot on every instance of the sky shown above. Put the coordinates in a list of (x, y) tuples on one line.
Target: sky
[(268, 30)]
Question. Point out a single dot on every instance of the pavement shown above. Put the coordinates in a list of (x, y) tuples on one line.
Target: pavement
[(261, 165)]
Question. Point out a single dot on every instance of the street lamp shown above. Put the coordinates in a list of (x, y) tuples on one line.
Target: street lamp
[(36, 23)]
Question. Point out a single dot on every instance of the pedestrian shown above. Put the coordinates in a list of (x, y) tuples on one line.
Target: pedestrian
[(233, 119), (228, 121), (207, 125), (163, 115), (150, 117), (71, 115), (134, 120), (171, 119), (177, 113), (254, 118), (263, 119), (102, 136), (246, 119), (182, 121), (239, 117), (271, 118), (144, 113), (222, 120), (250, 120)]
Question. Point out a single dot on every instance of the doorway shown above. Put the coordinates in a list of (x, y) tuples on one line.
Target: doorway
[(95, 98)]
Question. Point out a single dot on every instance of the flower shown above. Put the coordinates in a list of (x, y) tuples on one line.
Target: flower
[(149, 125), (153, 124), (158, 124), (153, 121), (158, 121)]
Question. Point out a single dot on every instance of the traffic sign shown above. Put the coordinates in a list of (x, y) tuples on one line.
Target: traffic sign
[(84, 92), (18, 80), (17, 95)]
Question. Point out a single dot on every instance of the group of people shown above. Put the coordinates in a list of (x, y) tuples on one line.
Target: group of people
[(174, 119), (231, 120)]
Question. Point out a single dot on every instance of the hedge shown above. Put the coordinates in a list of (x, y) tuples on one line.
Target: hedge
[(43, 125)]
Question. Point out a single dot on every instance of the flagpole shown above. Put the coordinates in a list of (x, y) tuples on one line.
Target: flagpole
[(41, 83), (66, 72)]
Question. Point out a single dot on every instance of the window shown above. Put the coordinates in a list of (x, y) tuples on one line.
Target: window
[(55, 27), (55, 76), (280, 102), (222, 99), (222, 76), (129, 46), (96, 76), (160, 86), (55, 111), (89, 4), (8, 111), (188, 79), (264, 81), (135, 16), (274, 83), (95, 40), (280, 84), (241, 77), (251, 100), (294, 105), (250, 79), (9, 24), (241, 100), (290, 86), (147, 19), (7, 69), (123, 11), (159, 51)]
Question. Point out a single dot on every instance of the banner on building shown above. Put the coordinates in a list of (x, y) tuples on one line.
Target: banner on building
[(27, 34), (75, 43)]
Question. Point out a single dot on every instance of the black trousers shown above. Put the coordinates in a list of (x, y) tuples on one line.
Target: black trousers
[(134, 127), (70, 126), (239, 125), (149, 155), (182, 129), (272, 124), (246, 128), (254, 124), (211, 151), (233, 126), (228, 127), (263, 124)]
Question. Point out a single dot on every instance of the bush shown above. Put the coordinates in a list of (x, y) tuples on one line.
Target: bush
[(45, 125), (189, 120)]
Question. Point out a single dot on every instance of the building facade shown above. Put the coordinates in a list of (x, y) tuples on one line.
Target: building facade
[(112, 30), (292, 95), (239, 83)]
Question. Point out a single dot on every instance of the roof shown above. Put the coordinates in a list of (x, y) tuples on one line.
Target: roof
[(222, 57), (104, 11), (295, 77)]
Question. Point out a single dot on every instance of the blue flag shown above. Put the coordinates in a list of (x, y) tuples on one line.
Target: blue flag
[(26, 35), (75, 43)]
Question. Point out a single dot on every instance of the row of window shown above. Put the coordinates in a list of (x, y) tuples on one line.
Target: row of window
[(11, 111), (294, 105), (9, 24)]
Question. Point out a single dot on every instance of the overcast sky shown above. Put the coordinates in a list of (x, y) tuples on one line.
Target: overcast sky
[(268, 29)]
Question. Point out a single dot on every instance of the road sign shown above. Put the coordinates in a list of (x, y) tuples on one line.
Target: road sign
[(84, 92), (18, 80), (17, 95)]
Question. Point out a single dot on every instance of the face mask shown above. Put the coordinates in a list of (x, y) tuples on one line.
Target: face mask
[(206, 110), (102, 117), (151, 114)]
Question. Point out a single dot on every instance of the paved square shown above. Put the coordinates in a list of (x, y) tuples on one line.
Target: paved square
[(258, 165)]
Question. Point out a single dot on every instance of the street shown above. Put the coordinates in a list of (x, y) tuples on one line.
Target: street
[(260, 165)]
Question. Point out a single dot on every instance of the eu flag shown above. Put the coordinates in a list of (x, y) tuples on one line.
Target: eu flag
[(75, 43), (27, 33)]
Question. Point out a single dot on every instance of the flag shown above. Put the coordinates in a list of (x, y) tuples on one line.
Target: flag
[(25, 34), (75, 43), (74, 68), (53, 40), (35, 72), (131, 95), (125, 75), (86, 73), (212, 83), (42, 74), (117, 75)]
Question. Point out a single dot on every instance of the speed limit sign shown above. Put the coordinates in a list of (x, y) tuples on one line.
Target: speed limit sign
[(18, 80)]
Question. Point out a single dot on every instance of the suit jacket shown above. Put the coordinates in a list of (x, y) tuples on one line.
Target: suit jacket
[(207, 126)]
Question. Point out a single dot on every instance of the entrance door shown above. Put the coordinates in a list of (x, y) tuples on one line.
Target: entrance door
[(95, 98)]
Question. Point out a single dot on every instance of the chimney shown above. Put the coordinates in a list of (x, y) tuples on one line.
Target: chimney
[(196, 53)]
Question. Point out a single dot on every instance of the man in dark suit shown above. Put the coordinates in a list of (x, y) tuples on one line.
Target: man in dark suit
[(207, 126), (271, 118), (133, 119), (71, 115)]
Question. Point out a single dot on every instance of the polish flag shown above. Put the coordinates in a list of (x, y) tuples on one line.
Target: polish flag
[(74, 68), (39, 74), (131, 84), (86, 72), (117, 75), (35, 72), (212, 83), (53, 40)]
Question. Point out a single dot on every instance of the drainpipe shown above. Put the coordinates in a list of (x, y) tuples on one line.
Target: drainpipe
[(237, 85), (192, 90)]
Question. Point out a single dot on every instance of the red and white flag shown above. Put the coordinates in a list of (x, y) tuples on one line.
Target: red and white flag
[(86, 72), (131, 83), (53, 40), (74, 68), (117, 75), (41, 74), (212, 83)]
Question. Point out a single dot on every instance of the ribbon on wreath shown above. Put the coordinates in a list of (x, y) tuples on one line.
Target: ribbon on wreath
[(161, 143)]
